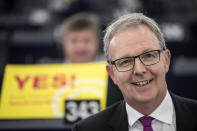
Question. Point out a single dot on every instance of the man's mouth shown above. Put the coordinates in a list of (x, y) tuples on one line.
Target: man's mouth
[(142, 83)]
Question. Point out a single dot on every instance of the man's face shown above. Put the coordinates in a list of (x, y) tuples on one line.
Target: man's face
[(80, 46), (132, 42)]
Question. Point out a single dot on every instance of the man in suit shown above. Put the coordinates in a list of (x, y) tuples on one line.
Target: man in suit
[(138, 61)]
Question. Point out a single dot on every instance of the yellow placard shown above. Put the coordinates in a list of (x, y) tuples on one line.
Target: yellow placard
[(40, 91)]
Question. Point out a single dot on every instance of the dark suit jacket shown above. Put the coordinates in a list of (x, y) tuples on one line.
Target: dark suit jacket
[(114, 118)]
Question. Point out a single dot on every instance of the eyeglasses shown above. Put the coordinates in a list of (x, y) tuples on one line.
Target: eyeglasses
[(127, 63)]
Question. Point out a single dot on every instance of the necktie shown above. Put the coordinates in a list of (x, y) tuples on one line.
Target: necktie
[(146, 122)]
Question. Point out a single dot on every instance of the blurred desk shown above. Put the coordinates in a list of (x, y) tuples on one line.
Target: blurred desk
[(35, 124)]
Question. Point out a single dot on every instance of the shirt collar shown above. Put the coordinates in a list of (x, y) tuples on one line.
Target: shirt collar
[(133, 115), (163, 113)]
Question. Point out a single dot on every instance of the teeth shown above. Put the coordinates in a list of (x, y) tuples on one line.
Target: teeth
[(142, 83)]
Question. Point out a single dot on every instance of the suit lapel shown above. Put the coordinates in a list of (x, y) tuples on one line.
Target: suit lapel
[(184, 118), (119, 121)]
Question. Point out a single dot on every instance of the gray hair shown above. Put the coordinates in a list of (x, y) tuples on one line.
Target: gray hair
[(131, 20)]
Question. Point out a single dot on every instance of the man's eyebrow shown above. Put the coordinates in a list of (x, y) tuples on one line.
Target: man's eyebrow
[(126, 56), (146, 50)]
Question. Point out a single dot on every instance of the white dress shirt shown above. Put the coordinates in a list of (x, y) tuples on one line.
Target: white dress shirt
[(164, 117)]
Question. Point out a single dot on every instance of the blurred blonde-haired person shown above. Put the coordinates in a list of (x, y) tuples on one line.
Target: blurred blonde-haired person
[(80, 41)]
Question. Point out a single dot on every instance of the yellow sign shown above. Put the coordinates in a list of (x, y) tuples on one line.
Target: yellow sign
[(40, 91)]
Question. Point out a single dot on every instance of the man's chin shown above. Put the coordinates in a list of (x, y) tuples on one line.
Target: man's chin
[(144, 99)]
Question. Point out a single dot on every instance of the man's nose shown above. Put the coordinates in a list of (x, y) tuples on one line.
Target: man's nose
[(139, 68), (81, 45)]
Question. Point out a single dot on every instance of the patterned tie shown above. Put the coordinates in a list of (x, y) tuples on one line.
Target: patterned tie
[(146, 122)]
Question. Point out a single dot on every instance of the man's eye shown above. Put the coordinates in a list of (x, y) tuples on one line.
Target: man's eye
[(149, 55), (124, 62)]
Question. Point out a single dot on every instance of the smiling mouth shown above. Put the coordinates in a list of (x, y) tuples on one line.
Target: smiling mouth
[(142, 83)]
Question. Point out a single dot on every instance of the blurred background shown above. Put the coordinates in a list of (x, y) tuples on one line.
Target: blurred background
[(30, 32)]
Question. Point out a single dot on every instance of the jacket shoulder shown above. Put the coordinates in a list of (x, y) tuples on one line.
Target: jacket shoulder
[(189, 104), (186, 101)]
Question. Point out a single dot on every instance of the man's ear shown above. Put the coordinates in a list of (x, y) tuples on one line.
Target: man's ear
[(168, 58), (111, 72)]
